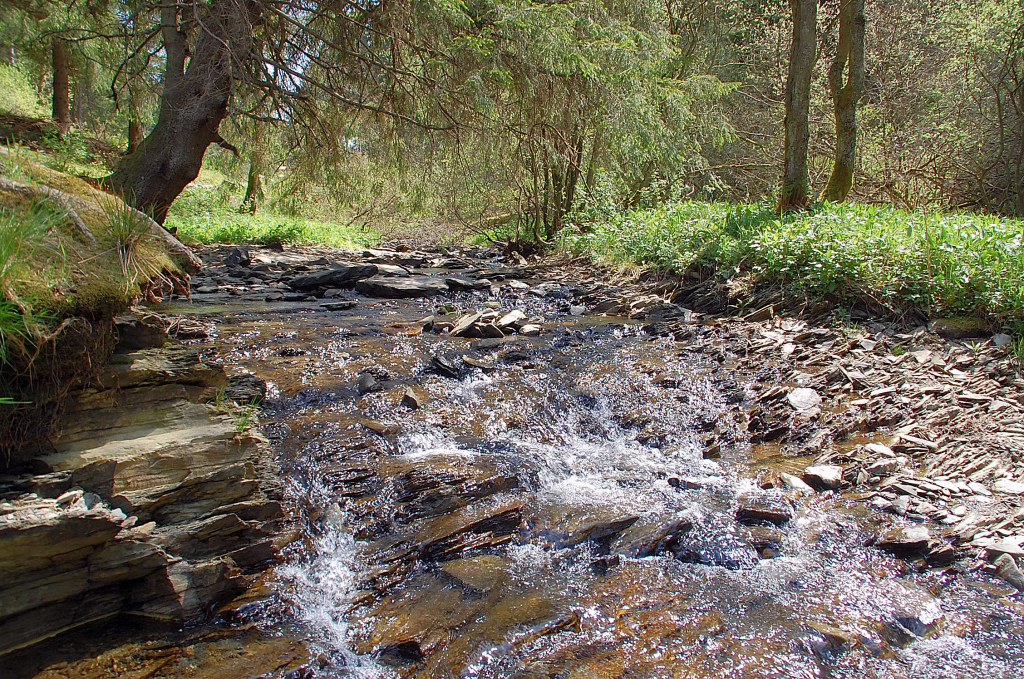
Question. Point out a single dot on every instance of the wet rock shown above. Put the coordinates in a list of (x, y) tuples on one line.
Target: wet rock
[(449, 364), (479, 573), (476, 527), (1007, 570), (823, 477), (829, 641), (140, 331), (401, 653), (915, 613), (459, 284), (339, 275), (367, 384), (397, 288), (414, 398), (246, 389), (764, 511), (654, 540), (343, 305), (904, 541)]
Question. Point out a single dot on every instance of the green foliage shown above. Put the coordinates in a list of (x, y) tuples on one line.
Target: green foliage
[(138, 253), (206, 215), (22, 231), (945, 263), (17, 95)]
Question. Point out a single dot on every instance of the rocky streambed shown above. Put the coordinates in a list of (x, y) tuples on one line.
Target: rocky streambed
[(469, 466)]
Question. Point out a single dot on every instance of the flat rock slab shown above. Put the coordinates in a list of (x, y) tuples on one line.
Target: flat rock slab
[(764, 511), (402, 288), (336, 276)]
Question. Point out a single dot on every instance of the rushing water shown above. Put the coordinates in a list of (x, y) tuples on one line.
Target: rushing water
[(590, 425)]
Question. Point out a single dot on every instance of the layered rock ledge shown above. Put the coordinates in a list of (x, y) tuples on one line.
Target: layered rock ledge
[(154, 499)]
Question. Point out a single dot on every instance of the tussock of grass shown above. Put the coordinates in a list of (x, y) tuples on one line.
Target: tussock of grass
[(202, 215), (946, 264)]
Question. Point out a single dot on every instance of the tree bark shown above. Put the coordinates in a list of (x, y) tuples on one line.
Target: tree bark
[(850, 53), (254, 185), (134, 136), (61, 96), (796, 185), (193, 104)]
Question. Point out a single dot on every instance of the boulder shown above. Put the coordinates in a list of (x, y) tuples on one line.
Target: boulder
[(339, 275), (401, 288)]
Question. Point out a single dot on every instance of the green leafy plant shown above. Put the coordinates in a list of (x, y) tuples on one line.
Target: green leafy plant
[(244, 416)]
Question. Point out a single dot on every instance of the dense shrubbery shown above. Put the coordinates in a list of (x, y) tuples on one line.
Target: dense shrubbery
[(945, 263)]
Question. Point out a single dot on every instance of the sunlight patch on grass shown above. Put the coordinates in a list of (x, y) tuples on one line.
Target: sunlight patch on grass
[(945, 263), (200, 215)]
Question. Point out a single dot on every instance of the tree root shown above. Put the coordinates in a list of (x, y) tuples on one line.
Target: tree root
[(65, 200)]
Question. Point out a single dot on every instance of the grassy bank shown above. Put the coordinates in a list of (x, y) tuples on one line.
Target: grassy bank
[(203, 214), (946, 264)]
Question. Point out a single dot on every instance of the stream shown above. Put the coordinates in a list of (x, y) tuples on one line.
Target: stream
[(547, 511)]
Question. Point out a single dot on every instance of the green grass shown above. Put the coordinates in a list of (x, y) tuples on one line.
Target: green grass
[(17, 94), (203, 215), (946, 264)]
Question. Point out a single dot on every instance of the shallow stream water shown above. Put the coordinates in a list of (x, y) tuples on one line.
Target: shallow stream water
[(584, 443), (548, 511)]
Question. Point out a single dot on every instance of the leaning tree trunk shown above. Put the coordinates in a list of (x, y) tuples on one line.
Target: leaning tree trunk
[(796, 185), (61, 95), (845, 97), (193, 104)]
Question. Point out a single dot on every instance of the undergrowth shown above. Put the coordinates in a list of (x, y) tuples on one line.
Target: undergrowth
[(946, 264), (204, 215)]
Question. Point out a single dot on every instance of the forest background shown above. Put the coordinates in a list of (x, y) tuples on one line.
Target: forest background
[(643, 131)]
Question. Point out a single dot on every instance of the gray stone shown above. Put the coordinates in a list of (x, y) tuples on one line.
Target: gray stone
[(398, 288), (343, 305), (823, 477), (803, 399), (338, 276), (904, 542), (460, 284)]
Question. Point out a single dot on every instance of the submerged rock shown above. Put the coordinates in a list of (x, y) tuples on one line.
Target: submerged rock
[(764, 510)]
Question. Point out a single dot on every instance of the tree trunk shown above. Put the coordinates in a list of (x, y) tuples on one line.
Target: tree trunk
[(845, 97), (193, 104), (61, 97), (134, 136), (796, 185), (254, 185)]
